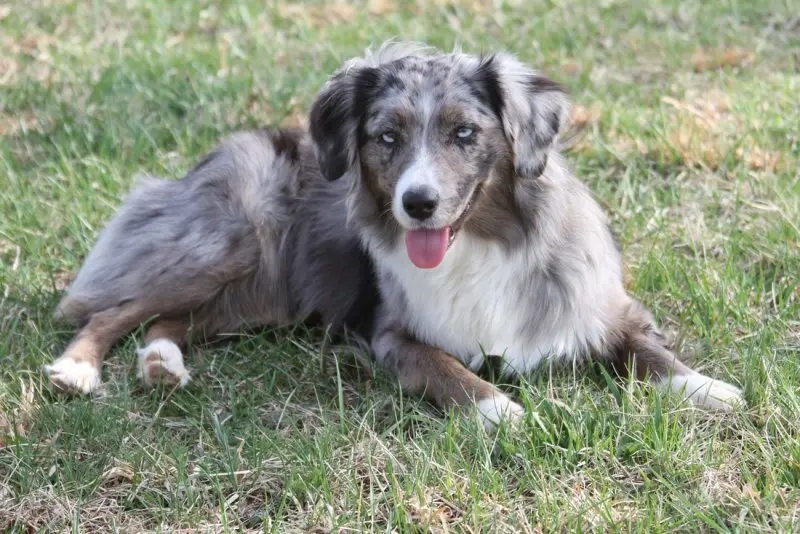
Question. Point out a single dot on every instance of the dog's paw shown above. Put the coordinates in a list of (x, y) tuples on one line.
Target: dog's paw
[(70, 375), (705, 392), (499, 408), (162, 361)]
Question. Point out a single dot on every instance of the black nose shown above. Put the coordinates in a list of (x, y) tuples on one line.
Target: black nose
[(420, 203)]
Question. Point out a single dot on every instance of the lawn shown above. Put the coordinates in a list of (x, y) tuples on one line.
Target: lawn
[(689, 122)]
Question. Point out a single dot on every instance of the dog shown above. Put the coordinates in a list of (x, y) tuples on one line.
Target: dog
[(428, 208)]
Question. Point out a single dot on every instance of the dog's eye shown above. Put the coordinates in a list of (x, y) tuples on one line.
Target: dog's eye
[(464, 132), (388, 138)]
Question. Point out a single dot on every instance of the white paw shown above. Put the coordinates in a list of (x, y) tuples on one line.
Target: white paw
[(705, 392), (162, 361), (73, 376), (499, 408)]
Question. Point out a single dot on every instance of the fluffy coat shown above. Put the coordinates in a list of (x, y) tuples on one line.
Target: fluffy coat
[(276, 227)]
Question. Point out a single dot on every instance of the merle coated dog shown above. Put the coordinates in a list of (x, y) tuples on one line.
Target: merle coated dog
[(428, 208)]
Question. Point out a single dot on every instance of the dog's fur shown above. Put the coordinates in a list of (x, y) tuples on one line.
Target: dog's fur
[(276, 227)]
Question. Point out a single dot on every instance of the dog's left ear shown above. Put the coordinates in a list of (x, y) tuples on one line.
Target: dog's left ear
[(533, 109), (336, 116)]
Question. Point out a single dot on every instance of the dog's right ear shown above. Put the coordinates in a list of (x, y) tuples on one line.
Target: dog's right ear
[(336, 117)]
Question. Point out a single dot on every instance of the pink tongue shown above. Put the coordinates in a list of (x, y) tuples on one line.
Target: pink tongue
[(426, 248)]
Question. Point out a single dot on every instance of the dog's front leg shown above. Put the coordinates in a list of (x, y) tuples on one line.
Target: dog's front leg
[(430, 372)]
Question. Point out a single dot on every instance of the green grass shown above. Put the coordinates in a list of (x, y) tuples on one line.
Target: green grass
[(702, 187)]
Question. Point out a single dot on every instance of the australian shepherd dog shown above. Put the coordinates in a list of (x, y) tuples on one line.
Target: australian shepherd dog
[(427, 208)]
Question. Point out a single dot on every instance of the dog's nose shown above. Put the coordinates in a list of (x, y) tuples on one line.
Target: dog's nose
[(420, 203)]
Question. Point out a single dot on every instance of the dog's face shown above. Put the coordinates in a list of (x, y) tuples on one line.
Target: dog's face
[(428, 141), (426, 133)]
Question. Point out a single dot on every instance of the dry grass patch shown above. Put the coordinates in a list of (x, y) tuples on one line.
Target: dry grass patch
[(700, 129), (583, 116), (318, 16), (16, 414), (704, 59)]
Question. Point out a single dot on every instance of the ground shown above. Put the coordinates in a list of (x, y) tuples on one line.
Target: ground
[(688, 114)]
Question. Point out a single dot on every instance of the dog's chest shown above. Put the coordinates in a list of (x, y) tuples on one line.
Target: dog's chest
[(470, 305)]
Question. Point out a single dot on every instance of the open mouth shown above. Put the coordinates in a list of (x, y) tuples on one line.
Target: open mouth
[(426, 248)]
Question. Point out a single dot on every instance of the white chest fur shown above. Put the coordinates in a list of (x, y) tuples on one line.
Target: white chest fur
[(478, 302)]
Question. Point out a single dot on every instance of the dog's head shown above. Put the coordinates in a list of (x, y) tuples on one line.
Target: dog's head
[(427, 131)]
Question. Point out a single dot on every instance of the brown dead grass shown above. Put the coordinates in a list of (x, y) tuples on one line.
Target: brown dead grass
[(582, 116), (297, 117), (9, 67), (38, 511), (16, 417), (337, 13), (700, 131), (705, 59), (259, 108), (36, 47), (120, 473), (571, 66), (587, 501), (696, 129), (473, 6), (758, 159), (62, 279), (11, 126), (579, 137), (381, 7), (320, 16), (295, 120)]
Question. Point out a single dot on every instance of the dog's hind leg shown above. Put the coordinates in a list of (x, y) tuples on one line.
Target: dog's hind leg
[(172, 250), (79, 367), (641, 350), (161, 359)]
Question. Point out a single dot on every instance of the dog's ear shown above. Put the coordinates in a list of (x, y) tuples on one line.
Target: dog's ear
[(336, 116), (532, 108)]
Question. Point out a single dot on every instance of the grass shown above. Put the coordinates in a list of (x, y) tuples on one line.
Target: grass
[(691, 141)]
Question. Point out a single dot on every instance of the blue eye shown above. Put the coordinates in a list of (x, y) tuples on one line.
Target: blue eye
[(464, 132), (388, 138)]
